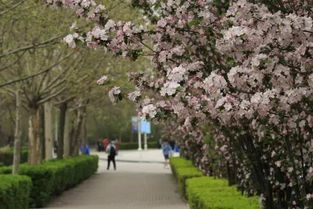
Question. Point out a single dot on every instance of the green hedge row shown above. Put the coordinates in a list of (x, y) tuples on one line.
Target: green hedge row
[(179, 162), (128, 146), (14, 191), (6, 156), (203, 192), (186, 173), (53, 177), (210, 193), (183, 169)]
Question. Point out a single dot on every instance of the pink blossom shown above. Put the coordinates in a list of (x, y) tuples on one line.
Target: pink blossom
[(134, 95), (114, 93), (102, 80), (149, 110)]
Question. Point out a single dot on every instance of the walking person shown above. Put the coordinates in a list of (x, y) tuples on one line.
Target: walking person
[(112, 152), (167, 151)]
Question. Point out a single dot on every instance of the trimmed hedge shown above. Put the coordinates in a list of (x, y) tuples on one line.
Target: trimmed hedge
[(128, 146), (210, 193), (185, 173), (204, 192), (6, 156), (179, 162), (14, 191), (183, 169), (53, 177)]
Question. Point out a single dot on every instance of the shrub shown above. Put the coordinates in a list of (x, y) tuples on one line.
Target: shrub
[(71, 171), (14, 191), (210, 193), (179, 162), (207, 181), (205, 192), (185, 173), (6, 155), (53, 177)]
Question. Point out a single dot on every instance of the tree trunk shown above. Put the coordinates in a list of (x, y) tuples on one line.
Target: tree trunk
[(260, 172), (62, 117), (67, 134), (42, 131), (231, 174), (17, 139), (84, 129), (35, 146), (48, 131), (76, 140), (55, 134)]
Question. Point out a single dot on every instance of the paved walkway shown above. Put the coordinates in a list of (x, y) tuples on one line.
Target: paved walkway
[(140, 182)]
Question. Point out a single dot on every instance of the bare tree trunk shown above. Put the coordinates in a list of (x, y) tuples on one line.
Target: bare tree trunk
[(56, 131), (48, 131), (76, 140), (35, 145), (84, 129), (42, 131), (62, 116), (17, 139), (67, 135)]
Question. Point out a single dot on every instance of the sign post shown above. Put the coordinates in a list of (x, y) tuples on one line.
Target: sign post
[(146, 129), (146, 145), (141, 126), (139, 133)]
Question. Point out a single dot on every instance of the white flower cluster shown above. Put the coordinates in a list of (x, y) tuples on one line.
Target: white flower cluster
[(134, 95), (149, 110), (70, 39), (114, 93), (102, 80)]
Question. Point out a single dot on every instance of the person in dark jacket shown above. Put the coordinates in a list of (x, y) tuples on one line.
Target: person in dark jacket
[(112, 152)]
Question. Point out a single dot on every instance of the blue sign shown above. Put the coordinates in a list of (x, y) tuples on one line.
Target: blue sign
[(145, 127)]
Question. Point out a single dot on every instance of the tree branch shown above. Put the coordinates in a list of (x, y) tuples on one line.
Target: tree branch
[(9, 65), (68, 99), (30, 46), (52, 96), (12, 7), (36, 74)]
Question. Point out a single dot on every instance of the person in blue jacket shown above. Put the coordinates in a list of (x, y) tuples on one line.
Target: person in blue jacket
[(167, 151)]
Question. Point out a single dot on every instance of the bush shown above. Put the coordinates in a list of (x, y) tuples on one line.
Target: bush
[(53, 177), (179, 162), (210, 193), (205, 192), (14, 191), (185, 173), (183, 169), (6, 155), (128, 146), (71, 171)]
